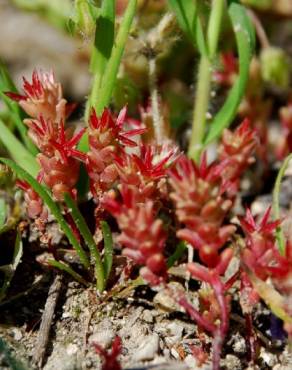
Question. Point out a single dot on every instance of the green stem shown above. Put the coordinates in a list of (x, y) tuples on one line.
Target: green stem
[(102, 48), (204, 80), (276, 203), (214, 26), (201, 107), (112, 67), (52, 205), (64, 267), (18, 151), (85, 232), (111, 71), (108, 248)]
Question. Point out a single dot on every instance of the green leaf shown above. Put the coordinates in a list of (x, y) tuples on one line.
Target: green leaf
[(108, 248), (245, 41), (88, 238), (10, 269), (200, 40), (3, 210), (17, 151), (64, 267), (16, 114), (53, 207), (276, 203), (14, 364), (186, 13), (104, 38), (112, 66), (178, 253), (103, 44)]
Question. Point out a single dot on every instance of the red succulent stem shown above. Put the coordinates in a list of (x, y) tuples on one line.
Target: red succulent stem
[(195, 314), (228, 284), (220, 333), (250, 338)]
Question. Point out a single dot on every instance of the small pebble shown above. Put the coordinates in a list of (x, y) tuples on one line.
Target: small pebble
[(147, 316), (232, 362), (268, 358), (104, 338), (72, 349), (17, 334), (148, 348)]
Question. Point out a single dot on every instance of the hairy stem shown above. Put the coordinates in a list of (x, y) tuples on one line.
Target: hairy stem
[(156, 114)]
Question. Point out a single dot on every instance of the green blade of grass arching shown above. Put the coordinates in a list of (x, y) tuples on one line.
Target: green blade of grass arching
[(64, 267), (108, 248), (53, 207), (16, 114), (17, 151), (276, 203), (88, 238), (245, 40)]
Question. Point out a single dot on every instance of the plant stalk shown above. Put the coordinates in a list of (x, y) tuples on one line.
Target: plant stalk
[(156, 114), (200, 109), (112, 67), (204, 81)]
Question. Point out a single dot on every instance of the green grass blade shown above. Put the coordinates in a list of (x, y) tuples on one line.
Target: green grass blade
[(17, 151), (6, 84), (112, 67), (16, 114), (276, 203), (41, 191), (64, 267), (108, 248), (103, 43), (186, 13), (178, 253), (88, 238), (244, 34), (3, 210), (10, 269)]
